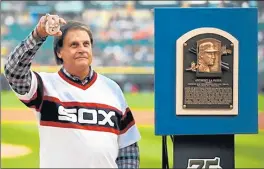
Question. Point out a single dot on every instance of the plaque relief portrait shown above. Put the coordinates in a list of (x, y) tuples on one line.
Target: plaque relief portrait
[(208, 62), (209, 55)]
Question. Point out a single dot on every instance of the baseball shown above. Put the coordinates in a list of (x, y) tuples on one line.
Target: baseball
[(52, 27)]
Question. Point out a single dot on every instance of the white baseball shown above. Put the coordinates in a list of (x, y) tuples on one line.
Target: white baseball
[(52, 27)]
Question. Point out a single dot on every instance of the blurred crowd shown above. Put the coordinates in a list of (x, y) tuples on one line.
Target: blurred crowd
[(123, 30)]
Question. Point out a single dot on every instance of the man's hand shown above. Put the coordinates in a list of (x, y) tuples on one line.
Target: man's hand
[(49, 25)]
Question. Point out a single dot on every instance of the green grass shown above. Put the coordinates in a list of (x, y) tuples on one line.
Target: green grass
[(9, 100), (249, 151), (22, 134), (261, 103), (249, 148), (135, 101), (140, 100)]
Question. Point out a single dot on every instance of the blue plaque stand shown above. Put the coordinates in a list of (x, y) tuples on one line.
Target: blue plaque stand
[(202, 101)]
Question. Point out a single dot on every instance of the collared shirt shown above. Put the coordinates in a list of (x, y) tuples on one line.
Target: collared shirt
[(77, 79), (17, 72)]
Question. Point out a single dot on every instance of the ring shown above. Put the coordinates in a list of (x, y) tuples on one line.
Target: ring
[(47, 14)]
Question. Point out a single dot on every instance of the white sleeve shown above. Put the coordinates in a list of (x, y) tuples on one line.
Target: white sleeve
[(129, 132), (33, 98)]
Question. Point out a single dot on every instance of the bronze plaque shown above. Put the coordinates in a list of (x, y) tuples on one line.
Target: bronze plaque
[(208, 72)]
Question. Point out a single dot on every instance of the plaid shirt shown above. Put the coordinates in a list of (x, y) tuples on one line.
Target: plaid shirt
[(17, 72)]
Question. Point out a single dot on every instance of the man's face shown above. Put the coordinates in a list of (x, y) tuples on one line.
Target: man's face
[(209, 58), (77, 49)]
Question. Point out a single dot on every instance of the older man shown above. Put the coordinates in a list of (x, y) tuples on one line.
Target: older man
[(84, 120)]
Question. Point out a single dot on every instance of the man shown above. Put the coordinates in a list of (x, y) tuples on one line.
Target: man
[(207, 56), (84, 120)]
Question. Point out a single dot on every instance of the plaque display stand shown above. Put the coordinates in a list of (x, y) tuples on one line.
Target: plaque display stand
[(205, 83), (196, 151)]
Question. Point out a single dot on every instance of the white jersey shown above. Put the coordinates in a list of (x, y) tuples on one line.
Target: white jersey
[(80, 126)]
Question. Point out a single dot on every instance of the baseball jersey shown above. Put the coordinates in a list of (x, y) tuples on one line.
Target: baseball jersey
[(80, 126)]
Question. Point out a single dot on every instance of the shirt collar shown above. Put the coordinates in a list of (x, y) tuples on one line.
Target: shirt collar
[(76, 78)]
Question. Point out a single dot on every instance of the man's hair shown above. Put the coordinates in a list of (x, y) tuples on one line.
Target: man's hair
[(58, 40)]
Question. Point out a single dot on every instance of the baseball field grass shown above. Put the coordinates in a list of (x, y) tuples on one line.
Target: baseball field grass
[(249, 148), (261, 103)]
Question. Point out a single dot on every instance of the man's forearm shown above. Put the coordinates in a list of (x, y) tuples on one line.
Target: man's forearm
[(17, 67)]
